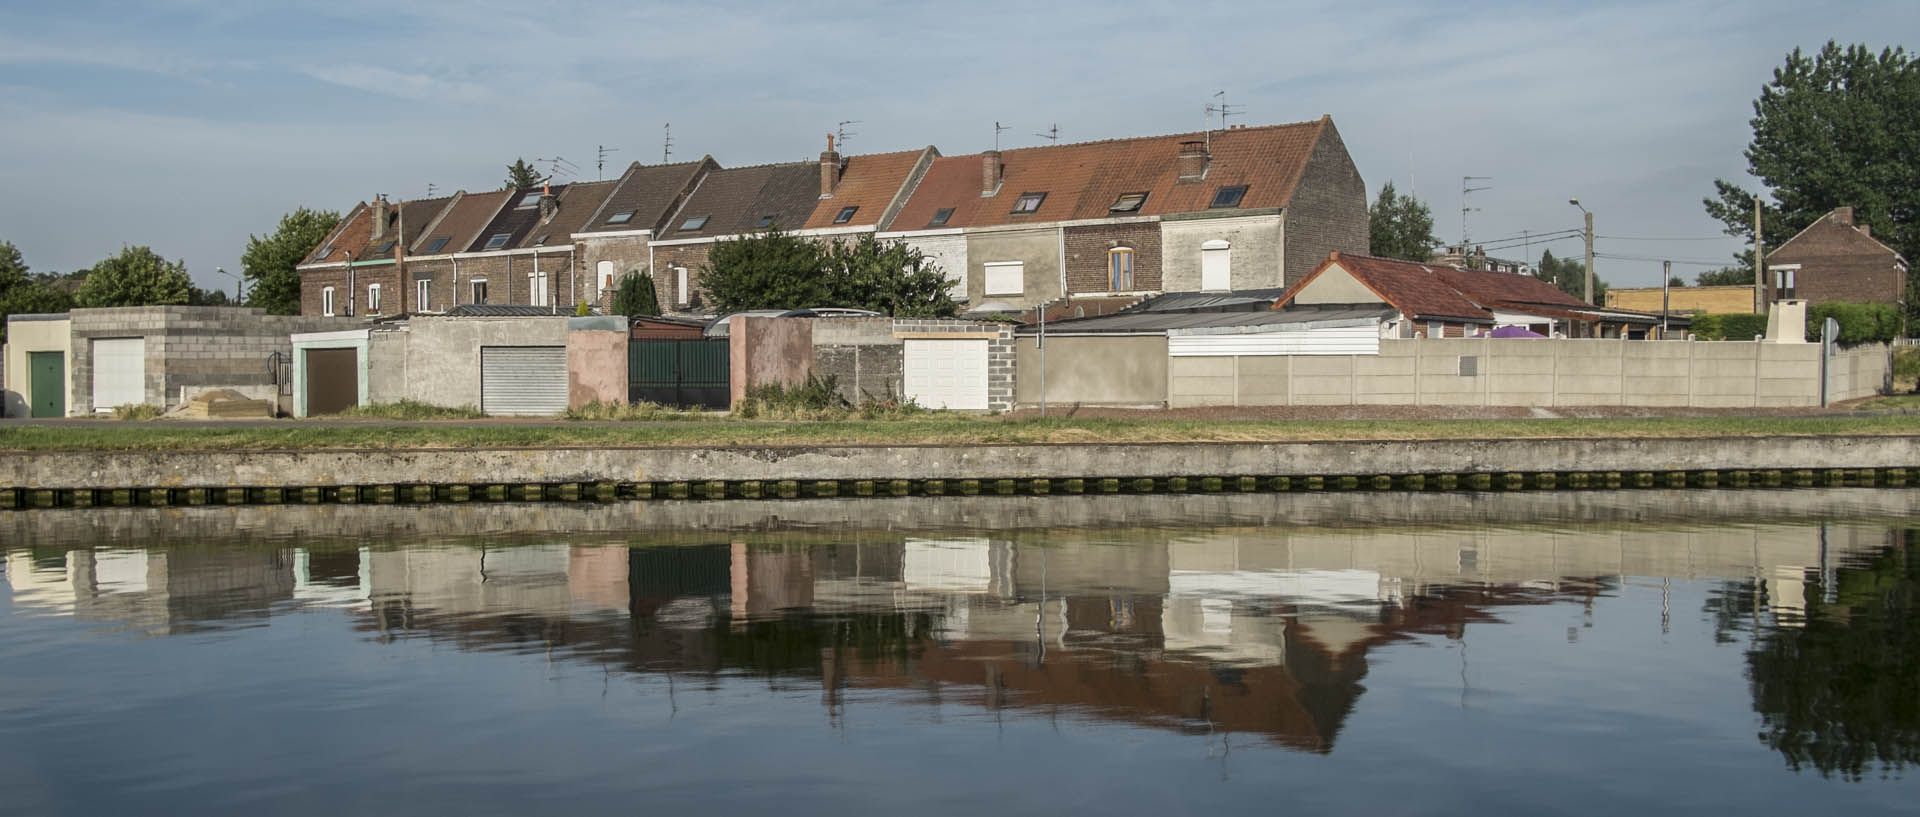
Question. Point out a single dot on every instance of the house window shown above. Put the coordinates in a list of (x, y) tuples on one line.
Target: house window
[(604, 271), (1128, 203), (621, 217), (940, 217), (1216, 266), (422, 295), (1229, 196), (846, 215), (529, 200), (479, 290), (1028, 202), (323, 253), (1005, 277), (439, 243), (326, 301), (497, 241), (537, 288), (763, 223), (385, 248), (680, 279), (1436, 330), (1120, 269), (692, 224), (373, 299)]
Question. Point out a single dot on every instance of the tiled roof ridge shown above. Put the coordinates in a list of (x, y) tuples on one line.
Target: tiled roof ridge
[(807, 162), (1198, 134)]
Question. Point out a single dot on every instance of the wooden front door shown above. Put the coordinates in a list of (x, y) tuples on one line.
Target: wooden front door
[(333, 380)]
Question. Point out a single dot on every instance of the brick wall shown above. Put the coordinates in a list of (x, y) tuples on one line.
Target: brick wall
[(1329, 208), (313, 281), (194, 348), (1088, 249), (1840, 263), (666, 283), (627, 254)]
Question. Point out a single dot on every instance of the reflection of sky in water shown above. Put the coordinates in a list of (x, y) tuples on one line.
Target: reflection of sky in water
[(1398, 668)]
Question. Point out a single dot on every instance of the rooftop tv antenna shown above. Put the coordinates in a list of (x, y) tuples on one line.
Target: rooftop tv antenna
[(430, 188), (1466, 190), (600, 163), (841, 133), (1223, 109), (666, 150), (997, 129), (1052, 134), (558, 165)]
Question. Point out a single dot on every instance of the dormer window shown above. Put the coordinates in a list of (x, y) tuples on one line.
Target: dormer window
[(845, 215), (621, 217), (1028, 202), (694, 223), (940, 217), (1227, 197), (1128, 203), (497, 241)]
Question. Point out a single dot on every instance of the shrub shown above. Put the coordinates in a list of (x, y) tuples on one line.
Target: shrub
[(136, 411), (412, 410), (1859, 323), (1729, 326), (643, 411)]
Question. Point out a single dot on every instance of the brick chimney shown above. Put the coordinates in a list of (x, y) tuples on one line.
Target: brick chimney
[(1192, 161), (990, 172), (1843, 215), (379, 216), (829, 169), (548, 203)]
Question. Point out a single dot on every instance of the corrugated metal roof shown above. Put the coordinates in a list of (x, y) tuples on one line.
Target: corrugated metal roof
[(503, 311), (1156, 322), (1248, 299)]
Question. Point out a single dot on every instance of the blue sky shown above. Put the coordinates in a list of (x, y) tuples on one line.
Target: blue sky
[(187, 125)]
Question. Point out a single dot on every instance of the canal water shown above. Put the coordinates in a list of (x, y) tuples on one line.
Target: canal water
[(1646, 652)]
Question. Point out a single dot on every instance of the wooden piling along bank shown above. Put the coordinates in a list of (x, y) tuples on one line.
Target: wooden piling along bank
[(85, 479)]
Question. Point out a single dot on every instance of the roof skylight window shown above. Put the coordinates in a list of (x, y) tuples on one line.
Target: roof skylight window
[(940, 217), (846, 214), (385, 248), (621, 217), (1128, 203), (1229, 196), (763, 223), (542, 240), (497, 241), (528, 200), (439, 243), (1028, 202), (694, 223)]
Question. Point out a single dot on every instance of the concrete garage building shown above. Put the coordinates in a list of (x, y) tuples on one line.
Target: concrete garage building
[(38, 378)]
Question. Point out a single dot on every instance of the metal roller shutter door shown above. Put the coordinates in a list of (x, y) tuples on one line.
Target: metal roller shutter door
[(119, 372), (526, 381), (947, 374)]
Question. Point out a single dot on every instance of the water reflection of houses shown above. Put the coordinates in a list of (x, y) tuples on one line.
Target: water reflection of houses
[(1263, 631)]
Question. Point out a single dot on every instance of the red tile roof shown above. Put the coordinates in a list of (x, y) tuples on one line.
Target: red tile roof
[(869, 182), (1419, 291), (348, 239), (1083, 180)]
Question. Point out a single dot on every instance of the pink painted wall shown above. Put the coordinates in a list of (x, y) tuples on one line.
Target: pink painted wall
[(596, 367), (768, 350)]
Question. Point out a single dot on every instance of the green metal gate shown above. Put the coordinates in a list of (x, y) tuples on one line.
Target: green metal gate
[(679, 373), (47, 383)]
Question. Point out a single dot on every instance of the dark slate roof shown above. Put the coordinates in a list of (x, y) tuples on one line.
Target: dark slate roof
[(503, 311), (650, 191), (516, 221), (734, 200), (1240, 300), (578, 202), (466, 215), (1153, 322), (418, 214)]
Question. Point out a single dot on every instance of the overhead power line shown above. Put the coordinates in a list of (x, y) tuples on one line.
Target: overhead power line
[(1668, 238)]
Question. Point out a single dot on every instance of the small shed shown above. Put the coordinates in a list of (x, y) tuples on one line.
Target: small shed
[(660, 327)]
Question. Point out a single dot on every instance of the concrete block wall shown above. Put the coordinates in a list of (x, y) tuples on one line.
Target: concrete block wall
[(862, 355), (437, 359), (1504, 372), (190, 349), (1000, 351)]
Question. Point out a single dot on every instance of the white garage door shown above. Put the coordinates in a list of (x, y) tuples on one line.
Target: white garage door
[(523, 380), (949, 374), (119, 372)]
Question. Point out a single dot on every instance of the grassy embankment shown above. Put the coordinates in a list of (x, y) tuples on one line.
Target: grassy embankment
[(926, 428)]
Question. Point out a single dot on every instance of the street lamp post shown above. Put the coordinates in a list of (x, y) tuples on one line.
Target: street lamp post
[(239, 282), (1589, 290)]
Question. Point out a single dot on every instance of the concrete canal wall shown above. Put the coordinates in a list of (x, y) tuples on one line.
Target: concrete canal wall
[(403, 475)]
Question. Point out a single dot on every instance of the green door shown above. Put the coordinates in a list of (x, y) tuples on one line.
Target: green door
[(47, 384)]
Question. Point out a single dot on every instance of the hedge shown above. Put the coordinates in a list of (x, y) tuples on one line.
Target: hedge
[(1859, 323)]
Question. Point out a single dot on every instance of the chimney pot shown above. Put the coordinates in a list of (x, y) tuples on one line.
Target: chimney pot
[(379, 217), (1191, 163), (990, 172), (829, 169)]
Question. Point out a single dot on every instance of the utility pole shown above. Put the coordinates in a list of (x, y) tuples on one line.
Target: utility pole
[(1666, 295), (1759, 263), (1466, 191), (1589, 256)]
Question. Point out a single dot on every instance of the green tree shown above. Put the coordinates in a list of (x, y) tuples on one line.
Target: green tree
[(521, 174), (13, 267), (891, 278), (269, 261), (22, 293), (1570, 275), (1837, 128), (1725, 277), (635, 296), (1400, 226), (138, 276), (769, 270)]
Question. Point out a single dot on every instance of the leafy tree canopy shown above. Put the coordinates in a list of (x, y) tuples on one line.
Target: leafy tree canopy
[(1400, 226), (777, 270), (635, 295), (269, 261), (13, 268), (1837, 128), (521, 174), (1570, 275), (22, 293), (138, 276), (1725, 277)]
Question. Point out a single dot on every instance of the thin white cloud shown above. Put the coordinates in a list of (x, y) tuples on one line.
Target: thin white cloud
[(375, 79)]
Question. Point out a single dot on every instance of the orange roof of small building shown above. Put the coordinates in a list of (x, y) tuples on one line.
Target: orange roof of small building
[(1418, 290), (870, 183), (1084, 180)]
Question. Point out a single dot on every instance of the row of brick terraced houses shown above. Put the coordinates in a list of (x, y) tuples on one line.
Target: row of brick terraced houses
[(1099, 222)]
